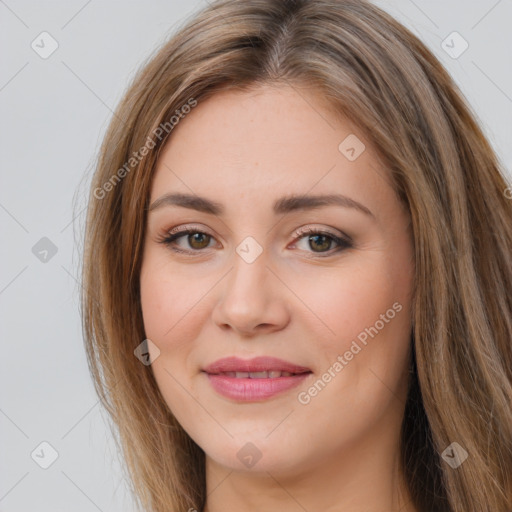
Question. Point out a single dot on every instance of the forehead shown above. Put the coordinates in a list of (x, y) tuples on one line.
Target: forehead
[(271, 138)]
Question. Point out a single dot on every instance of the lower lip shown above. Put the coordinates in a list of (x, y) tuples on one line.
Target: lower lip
[(251, 390)]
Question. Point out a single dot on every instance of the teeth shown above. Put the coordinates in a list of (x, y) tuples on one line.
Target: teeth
[(273, 374), (258, 375)]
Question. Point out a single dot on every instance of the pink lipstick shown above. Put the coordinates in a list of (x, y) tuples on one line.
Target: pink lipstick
[(254, 379)]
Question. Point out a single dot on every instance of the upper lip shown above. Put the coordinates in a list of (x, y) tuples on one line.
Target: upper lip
[(257, 364)]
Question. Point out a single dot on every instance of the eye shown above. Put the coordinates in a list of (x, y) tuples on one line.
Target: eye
[(318, 240), (196, 240)]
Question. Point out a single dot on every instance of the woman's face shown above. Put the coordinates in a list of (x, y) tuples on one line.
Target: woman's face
[(324, 285)]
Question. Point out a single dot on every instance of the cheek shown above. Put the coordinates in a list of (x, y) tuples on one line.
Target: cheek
[(171, 322), (366, 319), (157, 298), (345, 301), (170, 303)]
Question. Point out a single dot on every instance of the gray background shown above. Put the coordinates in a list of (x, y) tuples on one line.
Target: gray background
[(54, 114)]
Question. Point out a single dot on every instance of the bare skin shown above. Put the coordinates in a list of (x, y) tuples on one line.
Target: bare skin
[(301, 300)]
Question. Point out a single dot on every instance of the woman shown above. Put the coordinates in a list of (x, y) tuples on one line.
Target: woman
[(297, 271)]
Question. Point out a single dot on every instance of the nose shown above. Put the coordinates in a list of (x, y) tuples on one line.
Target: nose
[(252, 300)]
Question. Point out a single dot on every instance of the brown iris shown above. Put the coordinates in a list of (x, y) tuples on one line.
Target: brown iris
[(198, 238)]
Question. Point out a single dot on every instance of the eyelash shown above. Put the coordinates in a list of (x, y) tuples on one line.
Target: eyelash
[(343, 243)]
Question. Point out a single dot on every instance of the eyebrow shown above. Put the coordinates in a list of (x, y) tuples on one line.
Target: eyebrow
[(283, 205)]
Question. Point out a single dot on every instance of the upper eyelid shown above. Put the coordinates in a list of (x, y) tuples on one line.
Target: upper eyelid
[(302, 231)]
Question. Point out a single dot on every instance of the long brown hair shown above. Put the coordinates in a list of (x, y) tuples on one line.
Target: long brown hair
[(371, 69)]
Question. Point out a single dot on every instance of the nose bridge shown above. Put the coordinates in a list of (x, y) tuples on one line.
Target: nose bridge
[(249, 273), (250, 250)]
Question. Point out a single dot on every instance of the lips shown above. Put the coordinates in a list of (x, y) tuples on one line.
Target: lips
[(254, 380), (256, 367)]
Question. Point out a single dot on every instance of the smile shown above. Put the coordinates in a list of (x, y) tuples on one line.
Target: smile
[(254, 386)]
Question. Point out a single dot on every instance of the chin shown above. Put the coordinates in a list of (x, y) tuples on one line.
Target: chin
[(255, 454)]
